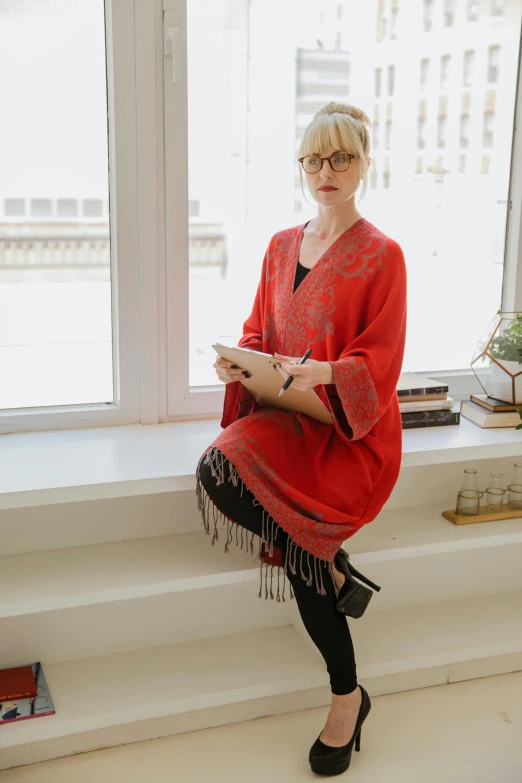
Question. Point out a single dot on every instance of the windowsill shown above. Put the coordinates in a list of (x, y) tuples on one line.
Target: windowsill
[(60, 466)]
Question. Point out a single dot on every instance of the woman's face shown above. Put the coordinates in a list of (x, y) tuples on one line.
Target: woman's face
[(341, 185)]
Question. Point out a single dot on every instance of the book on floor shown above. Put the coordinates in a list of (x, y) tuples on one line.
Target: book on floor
[(486, 419), (33, 707), (412, 384), (17, 683)]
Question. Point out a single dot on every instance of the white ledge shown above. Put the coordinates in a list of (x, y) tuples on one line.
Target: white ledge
[(60, 466)]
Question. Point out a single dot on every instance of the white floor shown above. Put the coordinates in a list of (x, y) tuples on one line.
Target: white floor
[(466, 732)]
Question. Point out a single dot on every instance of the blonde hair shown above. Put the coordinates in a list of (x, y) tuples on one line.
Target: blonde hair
[(343, 127)]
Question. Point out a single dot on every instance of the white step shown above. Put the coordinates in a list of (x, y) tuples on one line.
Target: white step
[(419, 557), (88, 522), (61, 466), (118, 699), (407, 737), (93, 600)]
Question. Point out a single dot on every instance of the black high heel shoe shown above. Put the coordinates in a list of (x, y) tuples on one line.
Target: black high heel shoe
[(326, 760), (353, 598)]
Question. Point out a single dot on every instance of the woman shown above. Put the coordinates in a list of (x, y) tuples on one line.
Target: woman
[(337, 285)]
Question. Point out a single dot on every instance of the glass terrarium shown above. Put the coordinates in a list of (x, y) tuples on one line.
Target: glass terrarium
[(497, 362)]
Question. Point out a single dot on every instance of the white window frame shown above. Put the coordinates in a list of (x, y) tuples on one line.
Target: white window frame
[(121, 99), (149, 174)]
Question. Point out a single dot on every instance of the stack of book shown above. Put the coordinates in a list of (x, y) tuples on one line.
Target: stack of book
[(24, 694), (424, 402), (488, 412)]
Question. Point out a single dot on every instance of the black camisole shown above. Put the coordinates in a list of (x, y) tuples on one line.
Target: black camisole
[(300, 274)]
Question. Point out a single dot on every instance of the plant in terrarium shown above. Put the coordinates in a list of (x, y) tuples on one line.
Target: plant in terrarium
[(497, 362), (506, 347)]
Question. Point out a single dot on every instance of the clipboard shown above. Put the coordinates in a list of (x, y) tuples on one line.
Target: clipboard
[(265, 384)]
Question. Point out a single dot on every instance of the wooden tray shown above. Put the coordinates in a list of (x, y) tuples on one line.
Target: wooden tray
[(463, 519)]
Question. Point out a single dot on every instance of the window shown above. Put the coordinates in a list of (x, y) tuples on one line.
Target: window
[(497, 7), (339, 12), (185, 253), (464, 130), (424, 73), (473, 10), (382, 26), (391, 79), (59, 312), (419, 166), (445, 349), (387, 134), (469, 64), (462, 164), (449, 13), (14, 207), (375, 135), (378, 82), (67, 207), (421, 133), (441, 131), (338, 40), (493, 63), (92, 207), (445, 63), (489, 120), (428, 15), (484, 164), (394, 23)]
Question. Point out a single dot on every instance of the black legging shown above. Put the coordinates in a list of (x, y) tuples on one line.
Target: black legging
[(327, 628)]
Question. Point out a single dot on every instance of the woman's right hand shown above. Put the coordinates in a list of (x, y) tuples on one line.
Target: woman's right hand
[(228, 372)]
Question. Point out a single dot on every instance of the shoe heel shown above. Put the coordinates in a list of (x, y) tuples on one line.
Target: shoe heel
[(358, 741), (362, 578)]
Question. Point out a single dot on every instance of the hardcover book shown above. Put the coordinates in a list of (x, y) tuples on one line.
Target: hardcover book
[(493, 405), (34, 707), (17, 683), (429, 419), (485, 418), (411, 384), (409, 406)]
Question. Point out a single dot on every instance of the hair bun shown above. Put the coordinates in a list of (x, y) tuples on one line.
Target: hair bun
[(345, 108)]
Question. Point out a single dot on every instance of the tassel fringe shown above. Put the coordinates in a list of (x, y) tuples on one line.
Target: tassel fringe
[(310, 572)]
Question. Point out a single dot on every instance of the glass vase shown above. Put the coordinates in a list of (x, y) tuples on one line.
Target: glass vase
[(468, 498), (515, 488), (495, 492)]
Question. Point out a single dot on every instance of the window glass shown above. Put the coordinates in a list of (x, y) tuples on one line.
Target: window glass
[(55, 282), (247, 187)]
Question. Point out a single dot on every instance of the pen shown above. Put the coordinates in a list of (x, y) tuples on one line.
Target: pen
[(289, 380)]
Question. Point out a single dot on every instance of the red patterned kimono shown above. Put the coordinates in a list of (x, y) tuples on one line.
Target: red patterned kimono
[(319, 482)]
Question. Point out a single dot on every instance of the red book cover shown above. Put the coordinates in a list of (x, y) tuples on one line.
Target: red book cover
[(17, 683), (37, 706)]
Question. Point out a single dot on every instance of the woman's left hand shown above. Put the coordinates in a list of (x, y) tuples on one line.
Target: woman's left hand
[(306, 376)]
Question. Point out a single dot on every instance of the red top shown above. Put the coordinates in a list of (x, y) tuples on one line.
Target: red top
[(319, 482)]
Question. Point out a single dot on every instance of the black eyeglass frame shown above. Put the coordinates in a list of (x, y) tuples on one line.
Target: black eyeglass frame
[(329, 159)]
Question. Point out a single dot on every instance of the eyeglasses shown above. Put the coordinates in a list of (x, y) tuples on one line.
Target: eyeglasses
[(339, 161)]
